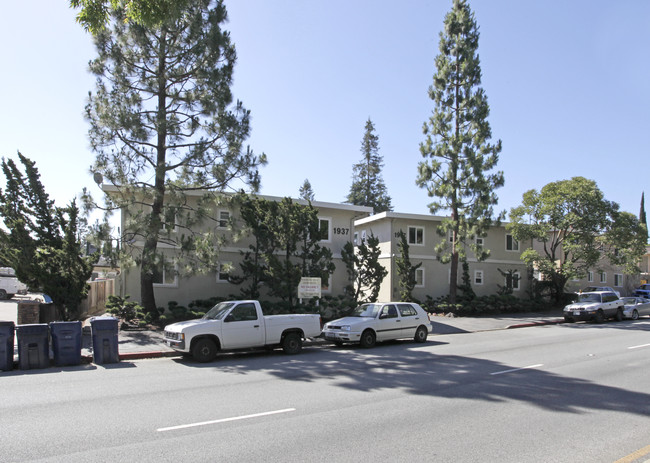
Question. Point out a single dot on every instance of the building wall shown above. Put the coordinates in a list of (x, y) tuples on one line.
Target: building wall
[(422, 233), (185, 288)]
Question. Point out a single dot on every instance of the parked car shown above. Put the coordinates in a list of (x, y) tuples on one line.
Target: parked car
[(9, 284), (591, 289), (642, 291), (233, 325), (596, 306), (636, 306), (380, 321)]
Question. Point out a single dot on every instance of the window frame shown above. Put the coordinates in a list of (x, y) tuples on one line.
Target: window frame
[(422, 272), (482, 277), (221, 223), (163, 273), (618, 278), (329, 228), (513, 241), (603, 277), (408, 235), (218, 278)]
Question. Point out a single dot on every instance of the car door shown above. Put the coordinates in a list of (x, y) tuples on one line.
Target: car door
[(242, 328), (388, 324), (410, 320)]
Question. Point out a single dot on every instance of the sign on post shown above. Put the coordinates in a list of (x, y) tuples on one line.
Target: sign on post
[(309, 287)]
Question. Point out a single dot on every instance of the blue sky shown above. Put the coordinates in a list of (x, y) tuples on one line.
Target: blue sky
[(567, 84)]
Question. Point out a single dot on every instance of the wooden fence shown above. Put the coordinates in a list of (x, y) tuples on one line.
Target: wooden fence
[(95, 303)]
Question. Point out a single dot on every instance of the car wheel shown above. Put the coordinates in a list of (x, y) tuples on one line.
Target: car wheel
[(619, 315), (635, 315), (292, 343), (599, 317), (204, 350), (3, 294), (338, 343), (421, 334), (368, 339), (568, 320)]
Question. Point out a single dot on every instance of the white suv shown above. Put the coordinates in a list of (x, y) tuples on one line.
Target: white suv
[(596, 305)]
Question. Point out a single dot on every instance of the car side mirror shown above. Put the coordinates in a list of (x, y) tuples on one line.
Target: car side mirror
[(229, 318)]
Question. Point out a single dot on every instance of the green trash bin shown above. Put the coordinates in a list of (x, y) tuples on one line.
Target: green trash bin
[(33, 346), (7, 330), (104, 336), (66, 342)]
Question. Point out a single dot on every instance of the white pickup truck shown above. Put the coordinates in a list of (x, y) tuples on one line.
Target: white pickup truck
[(9, 284), (233, 325)]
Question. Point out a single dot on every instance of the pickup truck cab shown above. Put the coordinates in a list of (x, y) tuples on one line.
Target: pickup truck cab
[(234, 325), (596, 306)]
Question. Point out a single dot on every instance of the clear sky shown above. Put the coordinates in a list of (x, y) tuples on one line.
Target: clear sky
[(567, 84)]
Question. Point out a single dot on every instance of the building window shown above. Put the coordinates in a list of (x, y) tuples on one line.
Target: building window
[(324, 227), (355, 240), (224, 272), (618, 280), (419, 278), (590, 277), (479, 242), (478, 277), (516, 278), (416, 236), (511, 243), (603, 277), (450, 235), (164, 274), (223, 219), (326, 285)]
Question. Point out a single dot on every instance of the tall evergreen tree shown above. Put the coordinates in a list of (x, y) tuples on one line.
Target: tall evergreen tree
[(368, 188), (405, 269), (41, 241), (163, 123), (365, 272), (642, 217), (306, 191), (457, 152)]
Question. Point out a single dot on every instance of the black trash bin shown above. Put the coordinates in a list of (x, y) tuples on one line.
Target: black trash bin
[(7, 330), (33, 346), (104, 335), (66, 342)]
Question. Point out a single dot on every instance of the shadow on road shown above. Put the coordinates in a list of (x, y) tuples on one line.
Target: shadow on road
[(418, 371)]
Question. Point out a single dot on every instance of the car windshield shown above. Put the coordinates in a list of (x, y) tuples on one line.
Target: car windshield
[(589, 298), (629, 300), (218, 311), (366, 310)]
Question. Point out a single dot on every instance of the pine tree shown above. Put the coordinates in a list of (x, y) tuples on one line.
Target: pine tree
[(40, 241), (642, 217), (306, 191), (457, 152), (405, 269), (163, 123), (368, 188), (365, 272)]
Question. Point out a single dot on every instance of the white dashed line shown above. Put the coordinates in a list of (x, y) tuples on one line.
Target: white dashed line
[(517, 369), (225, 420)]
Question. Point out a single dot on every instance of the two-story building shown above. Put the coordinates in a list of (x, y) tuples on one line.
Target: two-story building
[(433, 277)]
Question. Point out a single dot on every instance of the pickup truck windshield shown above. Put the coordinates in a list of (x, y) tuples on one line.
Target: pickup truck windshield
[(218, 311), (366, 310)]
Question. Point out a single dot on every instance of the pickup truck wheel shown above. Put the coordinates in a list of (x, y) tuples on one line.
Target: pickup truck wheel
[(205, 350), (599, 317), (619, 315), (421, 334), (292, 343), (368, 339), (635, 315), (3, 294)]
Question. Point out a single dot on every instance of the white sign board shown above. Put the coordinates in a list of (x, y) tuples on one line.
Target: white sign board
[(309, 287)]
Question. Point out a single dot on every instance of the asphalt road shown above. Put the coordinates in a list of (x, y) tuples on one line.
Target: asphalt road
[(559, 393)]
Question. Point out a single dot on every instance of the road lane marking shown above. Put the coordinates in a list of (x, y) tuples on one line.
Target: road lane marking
[(635, 456), (225, 420), (517, 369), (638, 347)]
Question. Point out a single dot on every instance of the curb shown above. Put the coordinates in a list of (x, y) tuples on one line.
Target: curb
[(136, 356), (529, 324)]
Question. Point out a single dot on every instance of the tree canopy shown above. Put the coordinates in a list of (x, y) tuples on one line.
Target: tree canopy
[(368, 187), (94, 15), (41, 241), (457, 153), (164, 127), (572, 227)]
